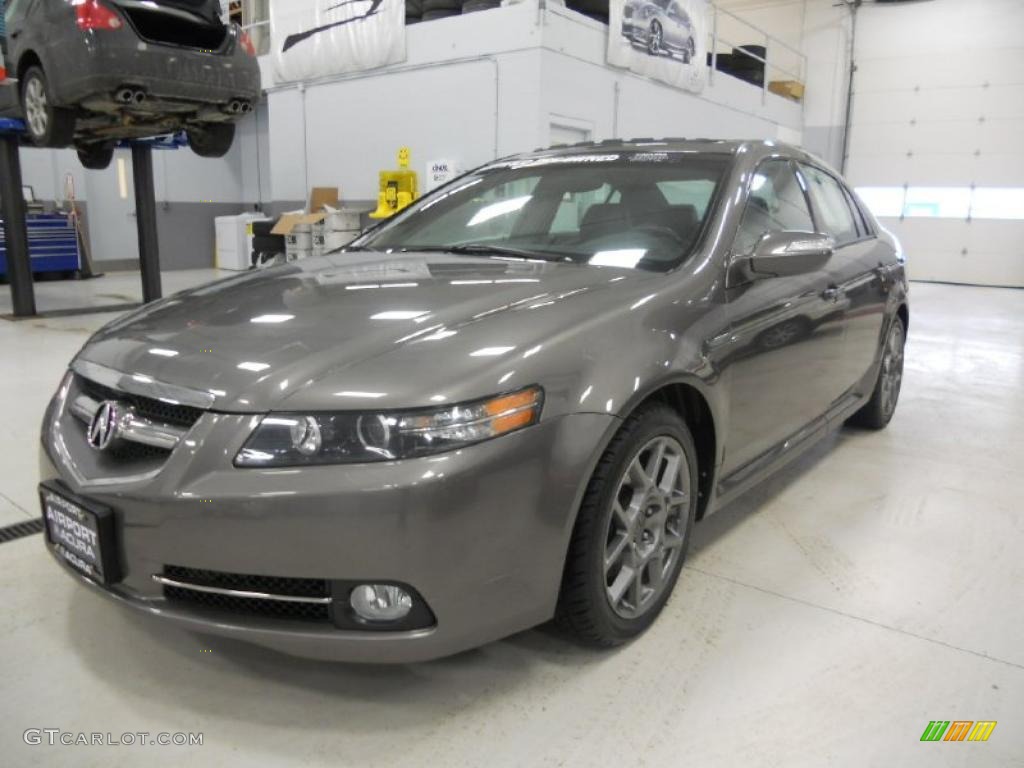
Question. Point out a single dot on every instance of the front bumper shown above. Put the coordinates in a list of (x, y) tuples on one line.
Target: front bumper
[(480, 533)]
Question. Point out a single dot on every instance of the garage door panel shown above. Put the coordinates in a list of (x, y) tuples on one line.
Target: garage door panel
[(998, 135), (885, 106), (953, 136), (1004, 101), (881, 170), (999, 170), (942, 104), (996, 67), (996, 235), (920, 236), (941, 170)]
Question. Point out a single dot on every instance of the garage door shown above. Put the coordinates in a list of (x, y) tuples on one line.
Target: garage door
[(936, 145)]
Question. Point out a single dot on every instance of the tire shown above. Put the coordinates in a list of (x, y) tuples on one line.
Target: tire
[(472, 6), (605, 615), (211, 140), (96, 157), (440, 14), (879, 410), (47, 125), (440, 5), (654, 39), (413, 8)]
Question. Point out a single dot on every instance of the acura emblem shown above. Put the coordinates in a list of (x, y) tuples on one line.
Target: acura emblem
[(104, 426)]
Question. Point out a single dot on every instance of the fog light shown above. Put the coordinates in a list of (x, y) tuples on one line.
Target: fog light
[(380, 602)]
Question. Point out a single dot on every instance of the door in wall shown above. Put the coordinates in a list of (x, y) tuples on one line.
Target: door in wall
[(110, 195)]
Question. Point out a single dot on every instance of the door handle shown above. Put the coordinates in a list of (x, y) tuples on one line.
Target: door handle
[(831, 293)]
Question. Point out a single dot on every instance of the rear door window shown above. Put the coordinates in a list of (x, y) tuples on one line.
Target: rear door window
[(831, 205)]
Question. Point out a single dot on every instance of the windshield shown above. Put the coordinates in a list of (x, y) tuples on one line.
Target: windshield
[(641, 210)]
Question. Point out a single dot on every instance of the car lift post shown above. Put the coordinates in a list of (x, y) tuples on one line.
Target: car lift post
[(19, 267), (145, 210), (19, 262)]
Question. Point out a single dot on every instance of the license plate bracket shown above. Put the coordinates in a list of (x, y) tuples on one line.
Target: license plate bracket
[(81, 532)]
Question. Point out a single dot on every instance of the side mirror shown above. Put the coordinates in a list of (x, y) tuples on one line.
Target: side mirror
[(778, 254)]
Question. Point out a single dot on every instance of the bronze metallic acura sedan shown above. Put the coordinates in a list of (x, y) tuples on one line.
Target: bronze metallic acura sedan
[(509, 403)]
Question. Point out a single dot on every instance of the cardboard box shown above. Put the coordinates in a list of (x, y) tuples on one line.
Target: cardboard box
[(791, 89), (322, 197)]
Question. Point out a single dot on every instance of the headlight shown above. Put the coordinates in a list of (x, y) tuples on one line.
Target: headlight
[(292, 439)]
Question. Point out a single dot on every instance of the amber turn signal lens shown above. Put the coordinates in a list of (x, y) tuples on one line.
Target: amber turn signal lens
[(509, 412)]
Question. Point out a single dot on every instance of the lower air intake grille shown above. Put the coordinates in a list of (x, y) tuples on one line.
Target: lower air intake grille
[(251, 606)]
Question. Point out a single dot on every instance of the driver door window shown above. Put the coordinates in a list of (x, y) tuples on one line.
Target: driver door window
[(776, 204)]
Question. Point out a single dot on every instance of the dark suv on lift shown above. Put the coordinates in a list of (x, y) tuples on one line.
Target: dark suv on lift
[(92, 72)]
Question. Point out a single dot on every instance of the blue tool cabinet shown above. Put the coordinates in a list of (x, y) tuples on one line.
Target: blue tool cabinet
[(52, 244)]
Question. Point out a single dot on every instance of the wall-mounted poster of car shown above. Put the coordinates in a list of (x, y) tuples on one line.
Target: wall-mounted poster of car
[(663, 39), (93, 72)]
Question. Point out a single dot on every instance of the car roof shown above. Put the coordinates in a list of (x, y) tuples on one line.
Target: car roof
[(752, 150), (755, 147)]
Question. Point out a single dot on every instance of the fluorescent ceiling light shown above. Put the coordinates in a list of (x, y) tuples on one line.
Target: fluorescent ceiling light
[(163, 352), (373, 395)]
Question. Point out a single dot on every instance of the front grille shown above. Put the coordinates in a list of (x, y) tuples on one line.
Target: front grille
[(150, 408), (250, 606)]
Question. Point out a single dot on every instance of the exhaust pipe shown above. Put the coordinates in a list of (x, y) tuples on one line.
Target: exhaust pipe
[(138, 97), (124, 96), (246, 107)]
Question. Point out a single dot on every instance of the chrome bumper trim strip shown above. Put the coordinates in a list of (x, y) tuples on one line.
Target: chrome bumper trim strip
[(240, 593)]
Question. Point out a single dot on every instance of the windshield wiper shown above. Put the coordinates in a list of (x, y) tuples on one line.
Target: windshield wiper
[(486, 249)]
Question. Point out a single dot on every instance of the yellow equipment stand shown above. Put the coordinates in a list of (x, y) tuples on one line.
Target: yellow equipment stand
[(397, 188)]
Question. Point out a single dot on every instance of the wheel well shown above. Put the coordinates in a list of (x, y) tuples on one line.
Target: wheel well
[(904, 314), (689, 403), (28, 59)]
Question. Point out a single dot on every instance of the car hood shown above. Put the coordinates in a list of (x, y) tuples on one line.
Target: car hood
[(353, 330)]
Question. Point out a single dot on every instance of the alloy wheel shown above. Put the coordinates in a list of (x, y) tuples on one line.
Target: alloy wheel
[(647, 527), (892, 368), (36, 107), (654, 42)]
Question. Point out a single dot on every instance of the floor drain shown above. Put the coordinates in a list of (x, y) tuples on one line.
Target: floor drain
[(20, 530)]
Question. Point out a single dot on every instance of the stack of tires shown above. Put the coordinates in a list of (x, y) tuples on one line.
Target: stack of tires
[(440, 9), (746, 68), (595, 9), (472, 6)]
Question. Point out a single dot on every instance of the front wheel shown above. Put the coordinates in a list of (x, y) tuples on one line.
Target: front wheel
[(655, 39), (632, 531), (212, 140), (878, 411), (48, 125)]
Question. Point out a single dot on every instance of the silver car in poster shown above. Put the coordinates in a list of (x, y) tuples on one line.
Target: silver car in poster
[(663, 27), (510, 402)]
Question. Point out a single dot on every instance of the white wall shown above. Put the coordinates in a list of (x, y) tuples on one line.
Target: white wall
[(485, 85), (939, 102)]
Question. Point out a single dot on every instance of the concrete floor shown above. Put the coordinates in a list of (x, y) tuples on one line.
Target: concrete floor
[(824, 619)]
